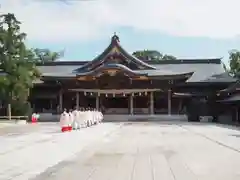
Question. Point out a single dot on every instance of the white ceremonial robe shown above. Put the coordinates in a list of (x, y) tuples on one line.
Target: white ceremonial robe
[(71, 118), (100, 116), (64, 119), (89, 117), (94, 117), (75, 120), (81, 118), (84, 118)]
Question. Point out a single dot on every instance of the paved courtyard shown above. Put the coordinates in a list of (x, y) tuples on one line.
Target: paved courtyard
[(122, 151)]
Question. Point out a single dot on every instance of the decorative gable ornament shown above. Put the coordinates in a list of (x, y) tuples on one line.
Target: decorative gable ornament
[(114, 50)]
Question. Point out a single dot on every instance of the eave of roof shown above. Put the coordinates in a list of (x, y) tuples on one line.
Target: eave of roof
[(233, 98), (189, 95), (177, 61)]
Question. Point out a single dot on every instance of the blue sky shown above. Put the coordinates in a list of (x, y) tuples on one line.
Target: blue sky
[(183, 28), (181, 47)]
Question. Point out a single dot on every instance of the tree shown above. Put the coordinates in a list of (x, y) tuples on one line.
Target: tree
[(45, 55), (152, 55), (168, 57), (17, 64), (234, 62)]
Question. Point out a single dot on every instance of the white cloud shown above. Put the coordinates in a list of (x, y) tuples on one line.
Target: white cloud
[(52, 21)]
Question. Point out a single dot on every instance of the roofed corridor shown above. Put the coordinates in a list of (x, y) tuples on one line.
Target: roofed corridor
[(136, 151)]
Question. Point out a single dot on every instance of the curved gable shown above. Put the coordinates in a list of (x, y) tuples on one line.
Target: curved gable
[(115, 54)]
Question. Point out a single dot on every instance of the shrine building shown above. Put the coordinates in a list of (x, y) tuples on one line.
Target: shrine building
[(117, 82)]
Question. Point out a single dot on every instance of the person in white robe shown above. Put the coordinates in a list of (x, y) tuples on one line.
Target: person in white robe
[(100, 116), (92, 116), (88, 117), (83, 117), (71, 119), (96, 116), (64, 121), (75, 123)]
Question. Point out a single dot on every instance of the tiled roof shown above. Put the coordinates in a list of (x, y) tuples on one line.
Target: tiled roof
[(203, 69)]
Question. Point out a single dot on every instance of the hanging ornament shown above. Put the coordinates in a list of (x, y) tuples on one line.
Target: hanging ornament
[(140, 94), (113, 94), (85, 93), (106, 95), (123, 94), (91, 94)]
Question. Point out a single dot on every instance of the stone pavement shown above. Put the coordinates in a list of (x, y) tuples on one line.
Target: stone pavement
[(132, 151), (31, 149)]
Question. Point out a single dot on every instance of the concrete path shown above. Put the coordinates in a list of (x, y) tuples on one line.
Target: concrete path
[(31, 149), (132, 151)]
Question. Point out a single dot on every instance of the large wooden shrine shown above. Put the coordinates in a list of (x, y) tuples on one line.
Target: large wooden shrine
[(119, 83)]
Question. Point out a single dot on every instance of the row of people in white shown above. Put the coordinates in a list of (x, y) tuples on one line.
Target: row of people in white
[(79, 118)]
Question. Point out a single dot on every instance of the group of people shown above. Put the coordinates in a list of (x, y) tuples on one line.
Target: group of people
[(77, 119)]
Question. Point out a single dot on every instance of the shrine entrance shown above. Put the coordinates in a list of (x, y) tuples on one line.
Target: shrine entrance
[(114, 105)]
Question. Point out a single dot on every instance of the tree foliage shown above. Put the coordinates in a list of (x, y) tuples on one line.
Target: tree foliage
[(152, 55), (234, 62), (17, 63), (45, 55)]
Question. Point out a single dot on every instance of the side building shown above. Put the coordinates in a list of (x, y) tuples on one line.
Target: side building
[(119, 83)]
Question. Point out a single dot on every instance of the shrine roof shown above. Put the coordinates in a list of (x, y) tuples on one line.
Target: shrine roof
[(218, 78), (115, 56), (203, 68)]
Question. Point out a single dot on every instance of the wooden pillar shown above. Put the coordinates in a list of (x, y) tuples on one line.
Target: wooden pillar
[(169, 102), (60, 101), (77, 100), (97, 102), (51, 104), (180, 105), (236, 115), (131, 104), (151, 103)]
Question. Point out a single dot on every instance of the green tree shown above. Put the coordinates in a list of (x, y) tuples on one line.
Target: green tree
[(152, 55), (45, 55), (234, 62), (168, 57), (17, 64)]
